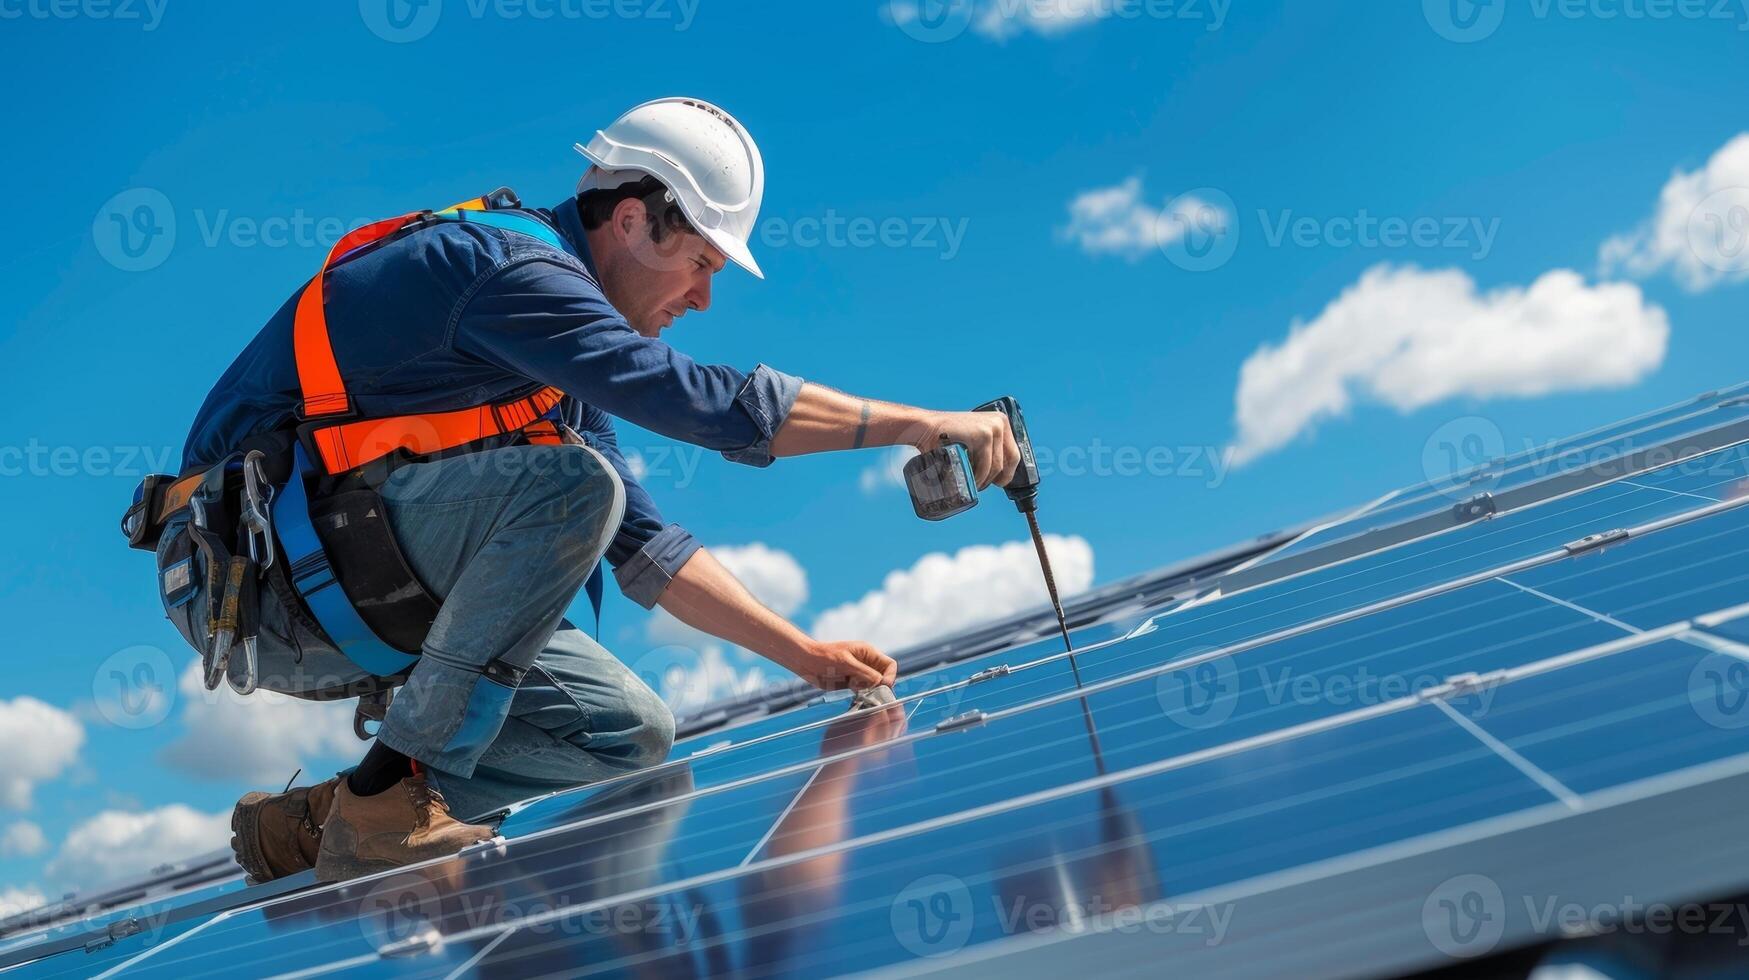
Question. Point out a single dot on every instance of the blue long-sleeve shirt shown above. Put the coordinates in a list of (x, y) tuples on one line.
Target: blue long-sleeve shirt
[(460, 314)]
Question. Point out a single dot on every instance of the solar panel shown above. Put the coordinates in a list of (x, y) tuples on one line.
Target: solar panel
[(1429, 714)]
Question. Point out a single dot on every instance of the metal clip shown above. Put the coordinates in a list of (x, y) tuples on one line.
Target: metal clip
[(1592, 542), (970, 719), (1460, 685), (256, 522), (371, 707), (989, 674), (1477, 507)]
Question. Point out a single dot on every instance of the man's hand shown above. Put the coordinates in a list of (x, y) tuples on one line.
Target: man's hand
[(986, 436), (833, 665)]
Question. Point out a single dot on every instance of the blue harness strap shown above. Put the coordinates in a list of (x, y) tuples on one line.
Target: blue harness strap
[(313, 579)]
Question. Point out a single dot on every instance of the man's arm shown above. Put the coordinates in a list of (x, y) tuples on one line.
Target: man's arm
[(705, 596), (823, 420)]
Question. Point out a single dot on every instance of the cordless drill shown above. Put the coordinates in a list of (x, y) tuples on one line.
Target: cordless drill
[(942, 485)]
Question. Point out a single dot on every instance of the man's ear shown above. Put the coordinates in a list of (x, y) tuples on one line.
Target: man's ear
[(628, 220)]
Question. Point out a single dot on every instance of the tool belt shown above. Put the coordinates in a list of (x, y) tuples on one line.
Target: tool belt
[(331, 560)]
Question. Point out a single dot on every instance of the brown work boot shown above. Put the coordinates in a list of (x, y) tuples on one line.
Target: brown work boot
[(405, 823), (278, 835)]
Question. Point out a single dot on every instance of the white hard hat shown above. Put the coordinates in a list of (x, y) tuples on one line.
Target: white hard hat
[(702, 155)]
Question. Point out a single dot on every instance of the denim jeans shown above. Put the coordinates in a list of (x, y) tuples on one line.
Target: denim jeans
[(508, 699)]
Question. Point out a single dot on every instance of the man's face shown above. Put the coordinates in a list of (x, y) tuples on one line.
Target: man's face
[(653, 283)]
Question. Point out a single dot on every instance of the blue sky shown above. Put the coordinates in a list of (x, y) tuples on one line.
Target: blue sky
[(1507, 221)]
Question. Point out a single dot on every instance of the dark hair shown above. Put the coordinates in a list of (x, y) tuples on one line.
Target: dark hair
[(595, 207)]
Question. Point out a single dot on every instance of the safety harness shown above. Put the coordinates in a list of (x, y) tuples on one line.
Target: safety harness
[(304, 503)]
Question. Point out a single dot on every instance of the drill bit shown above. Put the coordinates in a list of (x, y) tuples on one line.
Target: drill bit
[(1044, 562)]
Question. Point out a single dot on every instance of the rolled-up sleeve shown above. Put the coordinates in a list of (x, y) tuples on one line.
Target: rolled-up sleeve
[(548, 321), (767, 395)]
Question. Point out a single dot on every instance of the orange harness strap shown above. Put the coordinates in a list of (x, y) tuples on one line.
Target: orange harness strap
[(351, 443)]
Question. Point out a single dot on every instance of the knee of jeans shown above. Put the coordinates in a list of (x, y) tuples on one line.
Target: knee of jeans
[(654, 735), (580, 488)]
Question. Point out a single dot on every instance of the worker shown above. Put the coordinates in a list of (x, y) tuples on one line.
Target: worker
[(427, 427)]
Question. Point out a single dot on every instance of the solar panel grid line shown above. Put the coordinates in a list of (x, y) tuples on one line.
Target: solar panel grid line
[(1519, 762), (1576, 607), (1532, 456), (1384, 856), (781, 817), (1716, 644), (1684, 493), (1221, 751), (166, 944), (1551, 488), (1325, 525), (1223, 592)]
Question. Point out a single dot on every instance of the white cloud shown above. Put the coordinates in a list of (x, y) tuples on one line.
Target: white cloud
[(22, 839), (41, 741), (1699, 231), (888, 471), (117, 844), (1410, 337), (941, 594), (636, 464), (16, 900), (262, 738), (1002, 19), (695, 679), (1116, 221)]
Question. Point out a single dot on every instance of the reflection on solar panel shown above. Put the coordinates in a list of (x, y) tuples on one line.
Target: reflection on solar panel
[(1383, 745)]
